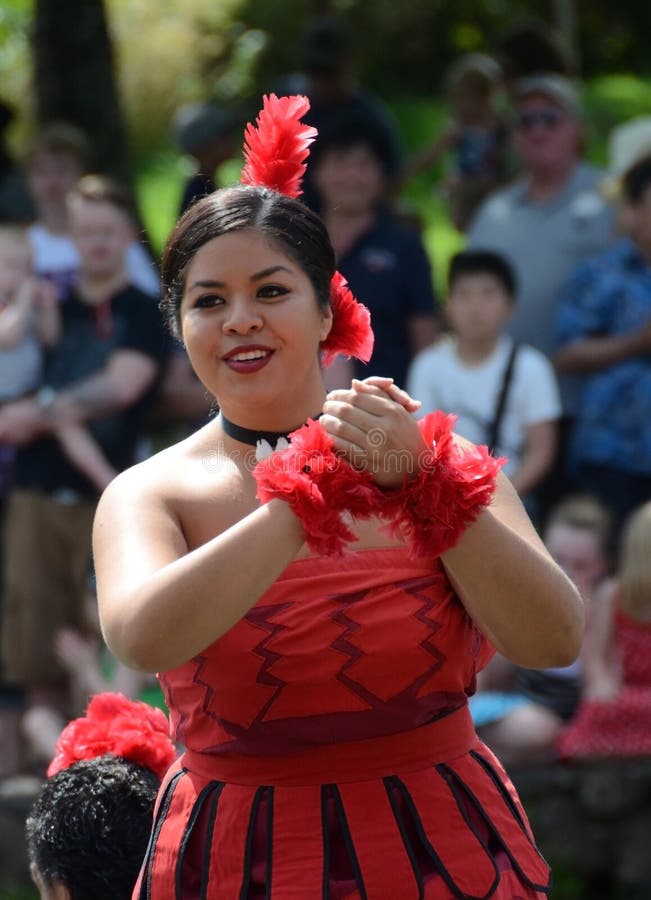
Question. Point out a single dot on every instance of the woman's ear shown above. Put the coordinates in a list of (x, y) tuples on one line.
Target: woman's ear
[(326, 323)]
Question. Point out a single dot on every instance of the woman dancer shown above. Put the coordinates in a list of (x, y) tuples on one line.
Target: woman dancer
[(317, 619)]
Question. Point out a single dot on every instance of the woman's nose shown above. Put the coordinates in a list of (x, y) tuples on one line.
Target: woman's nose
[(242, 318)]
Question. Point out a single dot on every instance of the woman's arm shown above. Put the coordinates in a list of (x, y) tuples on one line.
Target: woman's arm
[(508, 582), (515, 592), (159, 604)]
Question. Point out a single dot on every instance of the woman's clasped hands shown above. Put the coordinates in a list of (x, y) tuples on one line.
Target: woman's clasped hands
[(372, 425)]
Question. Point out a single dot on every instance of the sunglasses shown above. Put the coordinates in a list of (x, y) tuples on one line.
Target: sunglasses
[(548, 119)]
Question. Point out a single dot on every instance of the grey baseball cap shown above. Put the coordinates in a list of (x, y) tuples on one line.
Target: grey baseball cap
[(558, 88)]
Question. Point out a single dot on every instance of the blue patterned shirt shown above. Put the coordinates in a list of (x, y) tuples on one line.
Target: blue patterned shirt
[(607, 296)]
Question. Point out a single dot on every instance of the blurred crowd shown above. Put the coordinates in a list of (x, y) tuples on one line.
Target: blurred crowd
[(541, 347)]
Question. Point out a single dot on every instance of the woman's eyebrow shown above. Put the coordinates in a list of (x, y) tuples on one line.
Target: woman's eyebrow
[(265, 273), (258, 276)]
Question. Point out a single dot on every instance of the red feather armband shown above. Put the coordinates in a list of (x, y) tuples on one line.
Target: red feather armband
[(318, 485), (432, 509)]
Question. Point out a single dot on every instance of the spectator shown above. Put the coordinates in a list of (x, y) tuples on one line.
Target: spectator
[(29, 322), (103, 371), (604, 332), (551, 219), (57, 159), (614, 718), (328, 79), (477, 137), (88, 830), (383, 259), (16, 206), (554, 216), (206, 133), (504, 393), (520, 712)]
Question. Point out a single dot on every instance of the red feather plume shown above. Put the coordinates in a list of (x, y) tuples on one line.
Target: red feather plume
[(351, 333), (275, 149), (119, 726)]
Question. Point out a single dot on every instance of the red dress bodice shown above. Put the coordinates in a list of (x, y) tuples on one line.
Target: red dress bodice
[(330, 753)]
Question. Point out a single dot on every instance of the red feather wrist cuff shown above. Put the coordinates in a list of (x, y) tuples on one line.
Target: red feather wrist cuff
[(318, 485), (430, 511)]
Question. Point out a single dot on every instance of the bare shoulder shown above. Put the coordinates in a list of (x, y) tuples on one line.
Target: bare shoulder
[(188, 492)]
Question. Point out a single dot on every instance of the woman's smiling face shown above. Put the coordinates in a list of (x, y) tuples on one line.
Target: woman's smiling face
[(252, 325)]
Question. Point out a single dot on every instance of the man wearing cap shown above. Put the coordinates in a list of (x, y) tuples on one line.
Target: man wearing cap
[(604, 328), (547, 222), (554, 216)]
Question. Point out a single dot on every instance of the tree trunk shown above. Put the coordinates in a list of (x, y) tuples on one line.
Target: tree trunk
[(74, 78)]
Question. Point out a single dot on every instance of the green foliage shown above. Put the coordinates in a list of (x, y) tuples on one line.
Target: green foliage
[(15, 19), (169, 53)]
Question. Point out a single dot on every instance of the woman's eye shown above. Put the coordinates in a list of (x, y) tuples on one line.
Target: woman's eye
[(206, 301), (271, 291)]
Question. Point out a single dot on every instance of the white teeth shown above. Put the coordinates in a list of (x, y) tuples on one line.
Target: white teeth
[(250, 354)]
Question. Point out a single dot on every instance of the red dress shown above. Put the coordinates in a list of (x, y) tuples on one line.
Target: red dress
[(330, 753), (622, 726)]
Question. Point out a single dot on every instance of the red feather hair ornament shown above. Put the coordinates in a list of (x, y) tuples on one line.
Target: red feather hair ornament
[(276, 147), (275, 153), (121, 727)]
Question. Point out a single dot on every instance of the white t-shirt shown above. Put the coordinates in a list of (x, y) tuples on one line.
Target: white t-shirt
[(55, 257), (441, 380)]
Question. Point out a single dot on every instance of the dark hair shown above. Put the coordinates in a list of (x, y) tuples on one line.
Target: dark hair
[(290, 224), (533, 46), (482, 262), (90, 825), (347, 131), (636, 180), (327, 45)]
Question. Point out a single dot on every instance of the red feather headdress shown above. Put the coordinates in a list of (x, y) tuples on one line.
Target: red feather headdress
[(119, 726), (275, 153)]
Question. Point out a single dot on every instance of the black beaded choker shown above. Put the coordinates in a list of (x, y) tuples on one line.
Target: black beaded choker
[(252, 435)]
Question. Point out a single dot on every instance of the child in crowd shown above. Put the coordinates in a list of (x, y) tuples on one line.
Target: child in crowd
[(520, 712), (504, 394), (614, 718), (476, 137), (30, 322), (88, 830), (58, 158)]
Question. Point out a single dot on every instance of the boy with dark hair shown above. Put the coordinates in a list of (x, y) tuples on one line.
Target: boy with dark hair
[(504, 394)]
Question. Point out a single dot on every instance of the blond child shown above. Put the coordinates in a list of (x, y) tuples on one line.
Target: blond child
[(614, 719)]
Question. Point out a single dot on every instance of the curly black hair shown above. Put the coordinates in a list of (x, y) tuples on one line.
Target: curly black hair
[(89, 827)]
